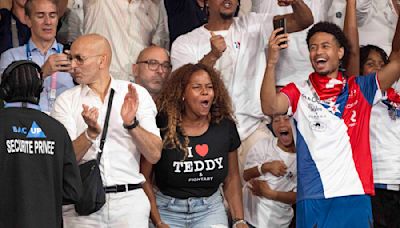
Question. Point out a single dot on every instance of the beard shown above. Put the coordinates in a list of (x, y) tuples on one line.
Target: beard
[(226, 16)]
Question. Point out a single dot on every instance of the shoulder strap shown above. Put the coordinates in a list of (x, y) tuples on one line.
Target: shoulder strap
[(105, 127), (14, 32)]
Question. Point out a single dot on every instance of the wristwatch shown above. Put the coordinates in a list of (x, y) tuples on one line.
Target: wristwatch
[(131, 126), (236, 222)]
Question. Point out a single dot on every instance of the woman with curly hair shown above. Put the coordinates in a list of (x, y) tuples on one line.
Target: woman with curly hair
[(199, 153)]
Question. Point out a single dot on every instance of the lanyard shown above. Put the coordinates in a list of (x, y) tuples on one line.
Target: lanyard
[(14, 32), (53, 83), (21, 105)]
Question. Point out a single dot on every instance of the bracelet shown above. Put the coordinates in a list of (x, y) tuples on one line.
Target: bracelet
[(92, 141), (259, 167), (133, 125), (238, 221)]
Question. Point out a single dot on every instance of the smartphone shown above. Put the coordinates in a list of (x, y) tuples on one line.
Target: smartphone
[(280, 23), (66, 49)]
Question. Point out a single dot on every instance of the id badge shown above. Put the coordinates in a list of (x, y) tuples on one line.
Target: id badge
[(52, 94)]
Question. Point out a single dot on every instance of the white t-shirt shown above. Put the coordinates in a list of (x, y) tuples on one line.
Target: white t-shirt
[(372, 16), (129, 27), (260, 211), (385, 144), (294, 61), (243, 63), (120, 160)]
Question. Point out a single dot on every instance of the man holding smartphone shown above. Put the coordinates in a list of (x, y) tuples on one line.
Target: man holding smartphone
[(332, 114), (43, 49), (235, 46)]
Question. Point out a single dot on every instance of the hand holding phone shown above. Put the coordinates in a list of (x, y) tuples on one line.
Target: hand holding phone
[(280, 23)]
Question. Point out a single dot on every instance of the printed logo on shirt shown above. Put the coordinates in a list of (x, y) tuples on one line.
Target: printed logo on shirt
[(236, 44), (318, 126), (198, 166), (36, 132), (29, 146), (202, 150)]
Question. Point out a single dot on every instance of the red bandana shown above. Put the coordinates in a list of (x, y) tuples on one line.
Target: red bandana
[(393, 96), (327, 87)]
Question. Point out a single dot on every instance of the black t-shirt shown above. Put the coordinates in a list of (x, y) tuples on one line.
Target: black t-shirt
[(38, 169), (183, 17), (24, 33), (205, 167)]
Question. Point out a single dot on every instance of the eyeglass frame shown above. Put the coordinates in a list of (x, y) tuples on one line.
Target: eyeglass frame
[(83, 58), (162, 65)]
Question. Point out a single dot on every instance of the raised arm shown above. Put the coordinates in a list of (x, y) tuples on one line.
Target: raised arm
[(218, 46), (396, 38), (301, 17), (391, 72), (85, 140), (147, 143), (351, 31), (272, 102)]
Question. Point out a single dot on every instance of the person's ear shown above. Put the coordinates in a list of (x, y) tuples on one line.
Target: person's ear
[(341, 53), (135, 69)]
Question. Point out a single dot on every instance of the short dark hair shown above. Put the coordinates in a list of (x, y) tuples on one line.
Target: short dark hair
[(28, 6), (364, 53), (334, 30)]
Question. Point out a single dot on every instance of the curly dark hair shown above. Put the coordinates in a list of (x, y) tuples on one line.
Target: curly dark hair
[(171, 105), (335, 31), (364, 53)]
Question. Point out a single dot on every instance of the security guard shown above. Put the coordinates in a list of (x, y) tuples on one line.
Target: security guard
[(38, 170)]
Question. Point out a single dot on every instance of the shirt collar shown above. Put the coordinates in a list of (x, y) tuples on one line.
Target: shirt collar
[(55, 46), (85, 89), (22, 105)]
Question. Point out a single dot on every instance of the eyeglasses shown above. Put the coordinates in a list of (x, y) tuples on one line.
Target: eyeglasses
[(80, 60), (153, 65)]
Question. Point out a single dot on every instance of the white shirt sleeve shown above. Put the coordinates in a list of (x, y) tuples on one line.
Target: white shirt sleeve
[(364, 8), (257, 154), (182, 52), (263, 23), (62, 112)]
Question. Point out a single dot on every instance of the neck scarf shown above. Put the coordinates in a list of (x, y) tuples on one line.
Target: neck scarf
[(327, 88)]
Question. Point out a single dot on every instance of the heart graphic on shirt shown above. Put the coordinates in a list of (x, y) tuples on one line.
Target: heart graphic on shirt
[(202, 150)]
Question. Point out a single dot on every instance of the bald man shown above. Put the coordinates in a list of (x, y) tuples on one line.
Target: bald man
[(132, 132), (151, 69)]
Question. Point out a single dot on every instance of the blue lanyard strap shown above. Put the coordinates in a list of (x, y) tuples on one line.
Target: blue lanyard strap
[(21, 105)]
